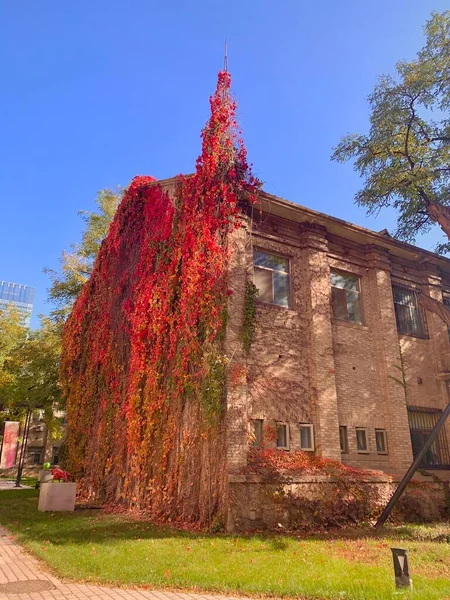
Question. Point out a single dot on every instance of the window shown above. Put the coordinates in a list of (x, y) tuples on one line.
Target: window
[(421, 423), (257, 432), (410, 319), (306, 436), (55, 455), (361, 439), (282, 436), (343, 439), (381, 441), (345, 297), (271, 278), (35, 455)]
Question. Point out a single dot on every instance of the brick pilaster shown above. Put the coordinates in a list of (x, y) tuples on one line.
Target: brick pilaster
[(389, 361), (236, 391), (317, 290)]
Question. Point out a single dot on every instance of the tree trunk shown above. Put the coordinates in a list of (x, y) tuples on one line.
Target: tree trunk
[(440, 214), (434, 306)]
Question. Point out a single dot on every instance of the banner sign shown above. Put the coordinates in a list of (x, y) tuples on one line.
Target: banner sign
[(9, 446)]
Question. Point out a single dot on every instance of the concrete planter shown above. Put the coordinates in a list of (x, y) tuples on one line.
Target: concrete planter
[(45, 476), (57, 497)]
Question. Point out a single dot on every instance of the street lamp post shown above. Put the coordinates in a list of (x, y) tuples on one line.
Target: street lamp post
[(24, 444)]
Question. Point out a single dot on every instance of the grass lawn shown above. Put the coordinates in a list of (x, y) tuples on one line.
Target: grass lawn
[(93, 546)]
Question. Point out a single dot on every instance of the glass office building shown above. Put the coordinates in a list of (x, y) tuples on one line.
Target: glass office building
[(22, 296)]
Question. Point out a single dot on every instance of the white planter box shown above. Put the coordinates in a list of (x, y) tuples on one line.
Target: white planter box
[(45, 475), (57, 497)]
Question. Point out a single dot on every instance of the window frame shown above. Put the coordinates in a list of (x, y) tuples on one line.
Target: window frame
[(364, 429), (344, 447), (286, 425), (33, 452), (423, 334), (384, 434), (288, 274), (360, 296), (257, 441), (309, 426)]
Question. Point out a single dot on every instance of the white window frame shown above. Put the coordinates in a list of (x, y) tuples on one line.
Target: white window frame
[(311, 429), (384, 434), (288, 275), (286, 425), (366, 451)]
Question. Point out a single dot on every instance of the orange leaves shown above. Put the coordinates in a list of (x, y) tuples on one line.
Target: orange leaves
[(238, 374)]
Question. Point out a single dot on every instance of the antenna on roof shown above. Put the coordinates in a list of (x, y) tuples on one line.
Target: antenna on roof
[(225, 58)]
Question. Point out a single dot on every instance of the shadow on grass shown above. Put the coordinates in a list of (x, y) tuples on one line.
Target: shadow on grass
[(18, 512)]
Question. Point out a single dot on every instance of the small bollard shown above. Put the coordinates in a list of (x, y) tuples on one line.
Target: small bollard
[(401, 568)]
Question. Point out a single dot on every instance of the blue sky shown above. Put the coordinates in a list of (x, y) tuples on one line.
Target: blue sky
[(97, 91)]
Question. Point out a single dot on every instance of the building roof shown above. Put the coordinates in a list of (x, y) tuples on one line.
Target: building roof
[(274, 205)]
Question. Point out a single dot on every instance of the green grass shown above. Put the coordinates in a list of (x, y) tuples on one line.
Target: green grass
[(93, 546)]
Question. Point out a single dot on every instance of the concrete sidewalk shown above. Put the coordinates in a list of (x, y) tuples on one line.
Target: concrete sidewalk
[(6, 484), (23, 578)]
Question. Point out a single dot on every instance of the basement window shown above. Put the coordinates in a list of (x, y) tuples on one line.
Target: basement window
[(343, 439), (306, 436), (271, 277), (381, 441), (257, 433), (361, 440), (345, 297), (282, 436)]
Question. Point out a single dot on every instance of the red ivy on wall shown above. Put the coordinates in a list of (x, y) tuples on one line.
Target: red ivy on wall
[(142, 361)]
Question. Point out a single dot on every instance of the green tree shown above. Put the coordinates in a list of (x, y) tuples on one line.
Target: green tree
[(29, 371), (76, 265), (12, 335), (405, 157)]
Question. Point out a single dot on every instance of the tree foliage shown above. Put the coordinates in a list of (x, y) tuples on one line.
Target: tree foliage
[(405, 157), (76, 265), (12, 336), (29, 366)]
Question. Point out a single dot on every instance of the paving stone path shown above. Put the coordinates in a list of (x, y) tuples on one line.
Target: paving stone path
[(23, 578)]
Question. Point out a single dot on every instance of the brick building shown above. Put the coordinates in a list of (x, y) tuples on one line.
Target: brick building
[(42, 444), (345, 363)]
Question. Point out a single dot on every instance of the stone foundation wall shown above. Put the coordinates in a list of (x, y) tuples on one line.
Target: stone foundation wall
[(319, 502)]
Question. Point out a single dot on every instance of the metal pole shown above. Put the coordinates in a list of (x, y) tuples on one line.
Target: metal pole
[(3, 439), (22, 450), (413, 468), (225, 58)]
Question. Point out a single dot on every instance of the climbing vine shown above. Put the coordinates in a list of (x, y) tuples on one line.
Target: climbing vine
[(143, 365), (249, 321)]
